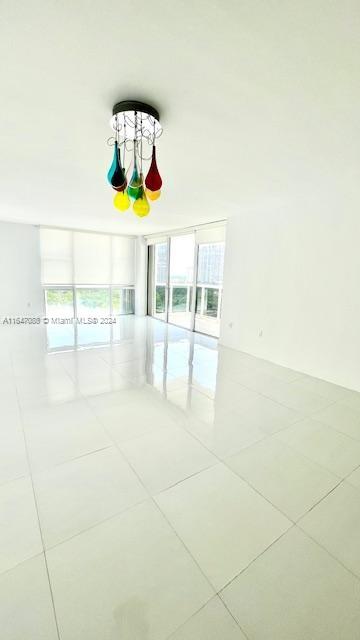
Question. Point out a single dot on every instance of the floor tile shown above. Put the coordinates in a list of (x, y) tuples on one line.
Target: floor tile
[(221, 520), (166, 456), (277, 371), (335, 524), (229, 433), (130, 577), (13, 459), (212, 622), (271, 416), (63, 433), (342, 418), (287, 479), (332, 449), (299, 398), (19, 528), (256, 380), (94, 382), (233, 396), (137, 418), (351, 399), (354, 478), (192, 403), (26, 611), (79, 494), (46, 386), (321, 387), (296, 591), (120, 398)]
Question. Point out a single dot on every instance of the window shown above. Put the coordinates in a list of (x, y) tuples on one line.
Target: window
[(212, 302), (85, 276), (159, 299), (179, 299), (123, 301), (209, 290), (59, 303), (173, 264)]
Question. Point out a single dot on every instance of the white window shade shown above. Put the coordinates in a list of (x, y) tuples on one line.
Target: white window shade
[(210, 234), (79, 257), (56, 256), (151, 240), (92, 258), (123, 260)]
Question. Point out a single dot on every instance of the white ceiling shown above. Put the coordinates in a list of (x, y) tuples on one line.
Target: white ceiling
[(259, 103)]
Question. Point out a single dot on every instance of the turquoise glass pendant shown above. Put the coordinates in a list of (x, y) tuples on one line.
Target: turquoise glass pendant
[(116, 174)]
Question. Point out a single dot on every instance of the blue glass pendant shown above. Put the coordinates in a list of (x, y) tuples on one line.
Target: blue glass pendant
[(116, 174)]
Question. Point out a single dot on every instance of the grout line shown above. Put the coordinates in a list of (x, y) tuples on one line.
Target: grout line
[(18, 564), (337, 560), (233, 617), (215, 597), (96, 524), (37, 514), (255, 559)]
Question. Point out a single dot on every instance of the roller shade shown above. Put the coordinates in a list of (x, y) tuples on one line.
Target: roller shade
[(212, 232), (80, 257), (56, 256)]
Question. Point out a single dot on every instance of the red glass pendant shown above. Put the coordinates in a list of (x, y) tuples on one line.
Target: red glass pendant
[(153, 179)]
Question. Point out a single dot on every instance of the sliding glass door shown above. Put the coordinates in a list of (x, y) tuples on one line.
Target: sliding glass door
[(181, 280), (210, 269), (185, 280), (159, 261)]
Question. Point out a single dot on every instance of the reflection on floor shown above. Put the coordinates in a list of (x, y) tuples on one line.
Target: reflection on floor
[(160, 487)]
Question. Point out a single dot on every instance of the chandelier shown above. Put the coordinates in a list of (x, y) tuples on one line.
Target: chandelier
[(136, 126)]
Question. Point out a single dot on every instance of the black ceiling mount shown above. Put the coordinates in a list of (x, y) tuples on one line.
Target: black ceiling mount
[(136, 105)]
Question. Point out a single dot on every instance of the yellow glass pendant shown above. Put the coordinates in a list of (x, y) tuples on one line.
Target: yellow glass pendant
[(153, 195), (122, 201), (141, 206)]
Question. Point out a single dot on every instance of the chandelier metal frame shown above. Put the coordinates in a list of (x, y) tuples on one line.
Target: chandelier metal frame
[(133, 120)]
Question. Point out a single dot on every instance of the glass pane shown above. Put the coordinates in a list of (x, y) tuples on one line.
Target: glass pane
[(179, 299), (159, 299), (212, 301), (211, 263), (60, 331), (160, 276), (209, 272), (181, 279), (128, 301), (93, 306), (59, 303), (123, 300), (198, 299)]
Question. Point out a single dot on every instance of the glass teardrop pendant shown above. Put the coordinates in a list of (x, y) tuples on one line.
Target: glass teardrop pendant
[(122, 201), (153, 179), (141, 206), (135, 184), (153, 195), (116, 174)]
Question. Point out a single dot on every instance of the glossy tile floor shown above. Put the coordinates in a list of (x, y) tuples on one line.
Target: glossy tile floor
[(162, 488)]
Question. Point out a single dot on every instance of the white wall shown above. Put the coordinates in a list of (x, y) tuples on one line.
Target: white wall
[(295, 277), (20, 288)]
